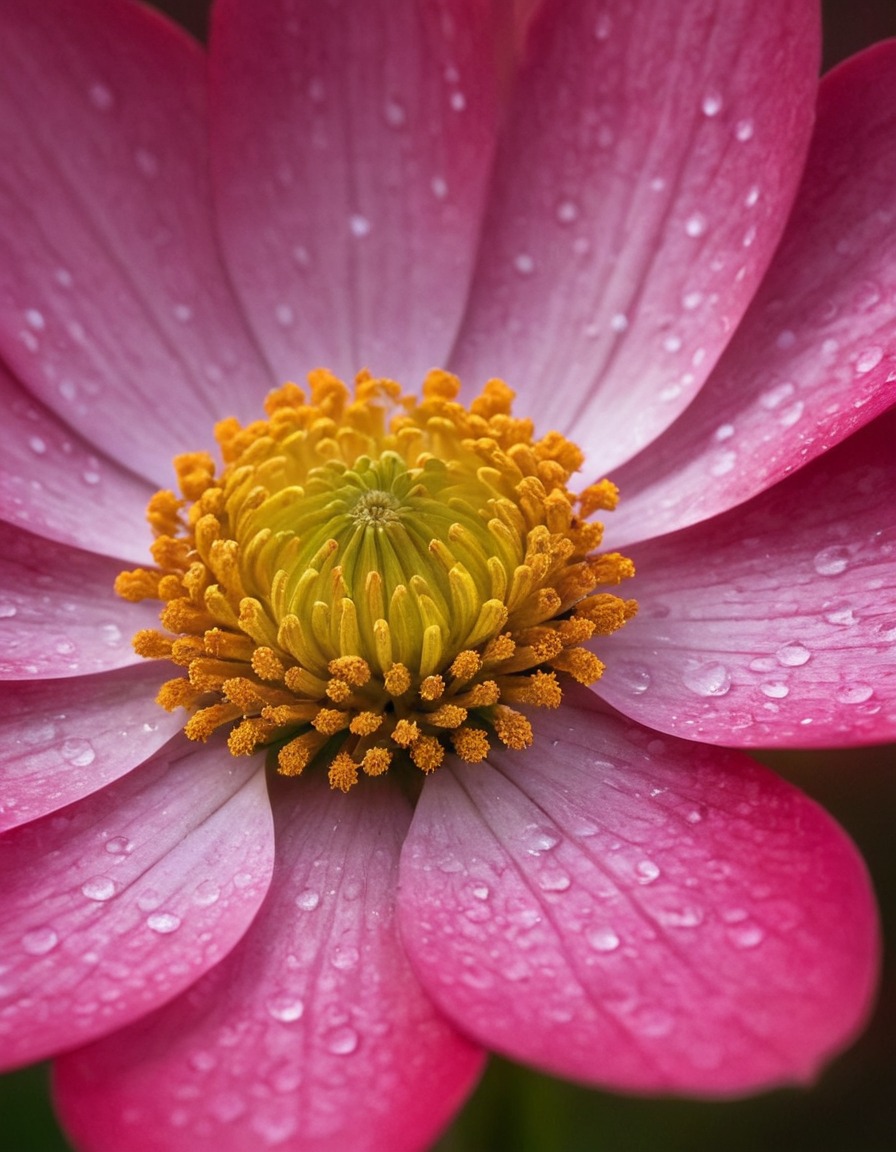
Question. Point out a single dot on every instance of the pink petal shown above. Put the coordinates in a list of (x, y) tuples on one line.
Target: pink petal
[(774, 623), (612, 270), (64, 740), (53, 484), (351, 146), (58, 613), (114, 308), (119, 902), (650, 915), (313, 1034), (815, 358)]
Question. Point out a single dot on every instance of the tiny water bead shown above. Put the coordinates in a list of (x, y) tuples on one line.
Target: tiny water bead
[(375, 579)]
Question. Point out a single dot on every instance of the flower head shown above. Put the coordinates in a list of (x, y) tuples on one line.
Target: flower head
[(374, 576), (423, 784)]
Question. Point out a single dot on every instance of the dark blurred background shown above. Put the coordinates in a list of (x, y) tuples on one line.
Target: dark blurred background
[(853, 1106)]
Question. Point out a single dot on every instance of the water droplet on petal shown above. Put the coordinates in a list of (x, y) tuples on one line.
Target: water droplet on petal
[(646, 871), (98, 888), (792, 655), (40, 941), (774, 397), (791, 414), (712, 679), (723, 462), (286, 1009), (695, 225), (540, 840), (854, 693), (342, 1041), (602, 939), (201, 1061), (746, 935), (831, 561), (869, 359), (163, 922), (651, 1021), (206, 894), (885, 630), (359, 225), (711, 104), (774, 690), (111, 634), (78, 753), (845, 617), (743, 130), (345, 957), (308, 900), (687, 916), (632, 677), (553, 880), (119, 845), (148, 900)]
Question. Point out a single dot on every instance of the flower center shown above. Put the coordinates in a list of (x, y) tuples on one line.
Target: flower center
[(375, 579)]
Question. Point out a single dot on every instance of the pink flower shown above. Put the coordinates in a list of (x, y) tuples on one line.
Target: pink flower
[(598, 218)]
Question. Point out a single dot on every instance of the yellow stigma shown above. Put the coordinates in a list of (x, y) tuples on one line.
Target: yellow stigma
[(374, 579)]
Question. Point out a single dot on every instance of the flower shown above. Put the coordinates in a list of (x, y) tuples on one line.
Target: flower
[(593, 207)]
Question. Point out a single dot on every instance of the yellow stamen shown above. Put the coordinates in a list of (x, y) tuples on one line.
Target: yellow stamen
[(405, 733), (465, 665), (427, 753), (377, 577), (397, 680), (329, 721), (471, 744), (343, 772), (152, 645), (267, 665), (431, 688), (448, 716), (512, 727), (141, 584), (295, 756), (376, 761), (366, 723)]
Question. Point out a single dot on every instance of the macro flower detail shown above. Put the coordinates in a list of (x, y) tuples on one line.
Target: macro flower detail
[(376, 577), (523, 819)]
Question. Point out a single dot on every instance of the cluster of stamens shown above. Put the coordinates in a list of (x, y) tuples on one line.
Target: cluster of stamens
[(374, 578)]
